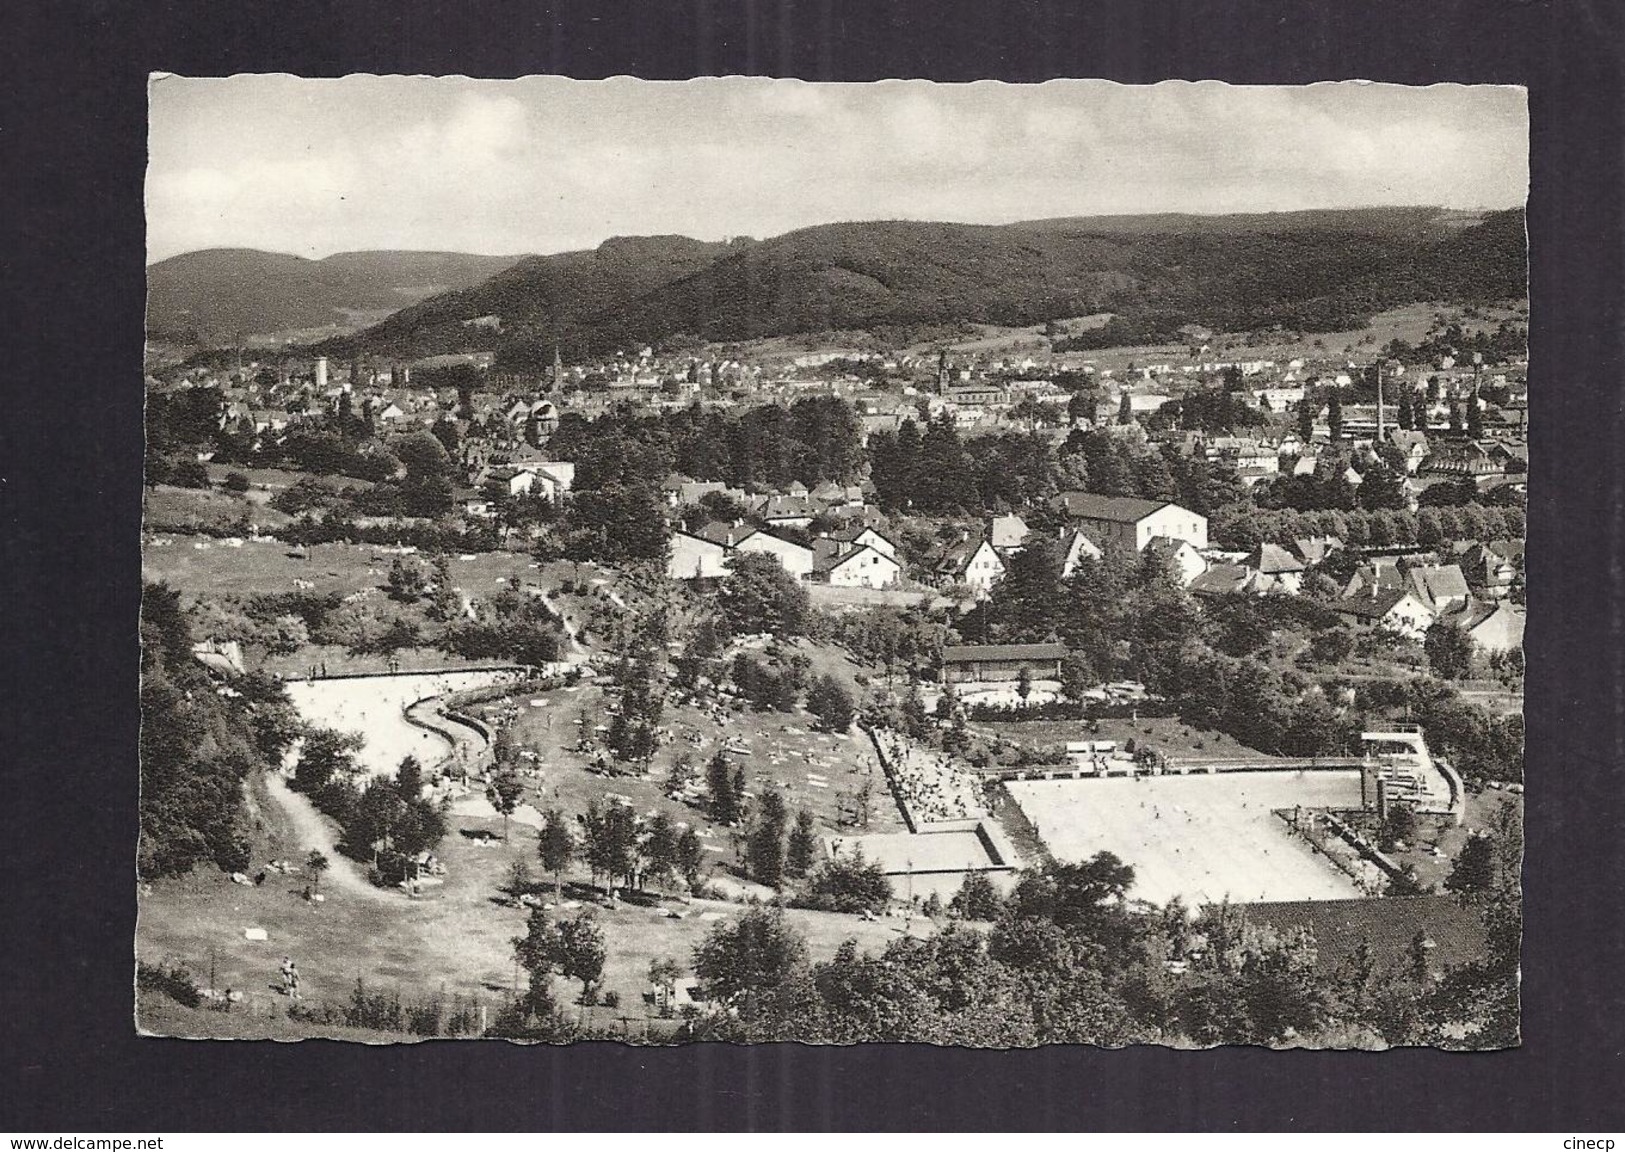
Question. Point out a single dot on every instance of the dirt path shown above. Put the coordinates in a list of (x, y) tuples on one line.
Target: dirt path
[(312, 832)]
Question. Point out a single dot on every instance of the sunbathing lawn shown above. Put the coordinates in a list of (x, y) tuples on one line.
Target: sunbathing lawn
[(1168, 735), (454, 939)]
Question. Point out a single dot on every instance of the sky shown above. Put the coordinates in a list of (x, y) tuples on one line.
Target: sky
[(541, 165)]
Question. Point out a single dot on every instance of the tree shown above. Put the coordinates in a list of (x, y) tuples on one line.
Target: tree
[(849, 884), (1125, 409), (1332, 646), (758, 595), (609, 840), (829, 701), (764, 852), (976, 899), (406, 581), (1449, 649), (634, 729), (556, 846), (1475, 417), (581, 951), (504, 792), (316, 864), (660, 849), (723, 801), (574, 947), (1077, 677), (1024, 683), (326, 758), (1473, 872), (1334, 415), (798, 857), (1399, 828), (690, 857), (664, 973), (1306, 420), (755, 954)]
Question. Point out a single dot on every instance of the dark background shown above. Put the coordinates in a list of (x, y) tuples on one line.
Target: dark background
[(72, 131)]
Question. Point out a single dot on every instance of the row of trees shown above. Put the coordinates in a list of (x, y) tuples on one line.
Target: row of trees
[(1242, 527), (1069, 961), (771, 446)]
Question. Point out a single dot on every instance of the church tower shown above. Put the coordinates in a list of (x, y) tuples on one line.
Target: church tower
[(942, 372), (558, 370)]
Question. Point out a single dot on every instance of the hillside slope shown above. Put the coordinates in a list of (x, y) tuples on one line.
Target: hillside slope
[(1313, 271), (221, 293)]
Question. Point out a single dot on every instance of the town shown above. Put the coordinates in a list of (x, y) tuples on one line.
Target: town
[(677, 671)]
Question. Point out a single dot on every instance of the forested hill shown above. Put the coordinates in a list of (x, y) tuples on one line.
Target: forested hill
[(543, 300), (1311, 271), (222, 293)]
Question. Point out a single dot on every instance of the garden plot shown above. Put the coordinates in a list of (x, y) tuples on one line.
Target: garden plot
[(1201, 838)]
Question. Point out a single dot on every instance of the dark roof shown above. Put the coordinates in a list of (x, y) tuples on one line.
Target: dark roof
[(1219, 580), (1372, 607), (969, 653), (1119, 509), (1273, 559)]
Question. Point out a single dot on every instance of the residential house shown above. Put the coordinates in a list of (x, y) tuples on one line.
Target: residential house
[(1442, 587), (797, 559), (974, 563), (1278, 570), (1491, 567), (1075, 546), (866, 536), (853, 565), (1495, 627), (1224, 580), (1129, 522), (1381, 575), (1314, 549), (1181, 556), (1412, 446), (696, 558), (1007, 533), (1396, 611), (791, 511)]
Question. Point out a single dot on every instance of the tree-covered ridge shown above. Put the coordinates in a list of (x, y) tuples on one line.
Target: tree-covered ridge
[(1305, 274)]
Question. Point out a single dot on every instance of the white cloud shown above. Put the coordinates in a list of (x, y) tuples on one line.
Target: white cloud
[(545, 164)]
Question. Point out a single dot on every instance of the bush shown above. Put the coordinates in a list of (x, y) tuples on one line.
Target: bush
[(849, 885), (235, 482), (189, 474), (174, 981), (977, 899), (612, 999)]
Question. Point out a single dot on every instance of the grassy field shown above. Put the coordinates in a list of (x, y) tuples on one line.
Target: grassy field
[(454, 940), (261, 566), (776, 749), (167, 509), (1202, 838), (1168, 735)]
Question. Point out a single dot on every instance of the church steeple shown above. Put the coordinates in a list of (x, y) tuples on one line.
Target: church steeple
[(558, 369), (942, 372)]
